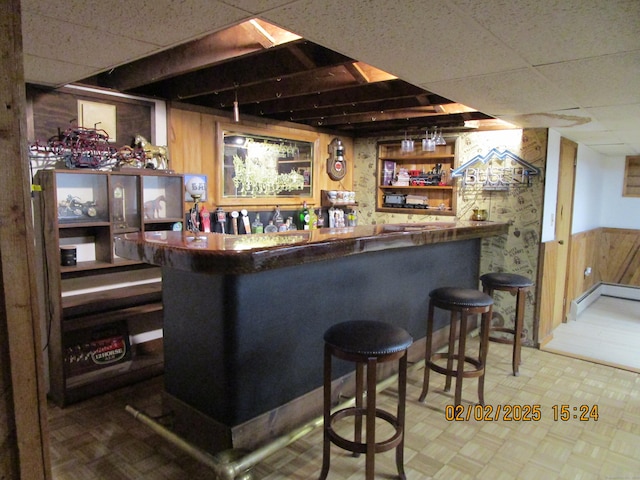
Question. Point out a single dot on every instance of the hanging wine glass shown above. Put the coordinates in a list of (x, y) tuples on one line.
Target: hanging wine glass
[(407, 145), (440, 139), (428, 143)]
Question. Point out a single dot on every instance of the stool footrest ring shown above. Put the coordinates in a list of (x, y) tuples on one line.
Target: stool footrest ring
[(478, 371), (508, 341), (361, 447)]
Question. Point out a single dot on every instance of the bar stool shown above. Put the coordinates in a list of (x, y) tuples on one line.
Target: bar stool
[(366, 343), (461, 302), (512, 283)]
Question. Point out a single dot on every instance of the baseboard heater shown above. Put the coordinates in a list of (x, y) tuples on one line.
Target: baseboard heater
[(627, 292)]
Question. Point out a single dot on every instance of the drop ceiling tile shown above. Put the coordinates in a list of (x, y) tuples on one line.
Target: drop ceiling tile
[(507, 93), (618, 150), (571, 118), (160, 22), (75, 44), (630, 135), (591, 137), (418, 41), (257, 6), (618, 117), (49, 72), (601, 81), (550, 31)]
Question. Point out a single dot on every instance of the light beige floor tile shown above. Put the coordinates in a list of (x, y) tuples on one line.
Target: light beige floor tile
[(98, 440)]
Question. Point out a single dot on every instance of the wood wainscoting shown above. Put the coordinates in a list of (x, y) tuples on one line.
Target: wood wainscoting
[(612, 254), (619, 256), (601, 255)]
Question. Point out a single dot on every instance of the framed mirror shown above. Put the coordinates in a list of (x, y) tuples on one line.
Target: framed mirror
[(263, 168)]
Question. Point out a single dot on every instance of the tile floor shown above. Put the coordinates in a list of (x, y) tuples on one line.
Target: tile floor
[(606, 332), (97, 439)]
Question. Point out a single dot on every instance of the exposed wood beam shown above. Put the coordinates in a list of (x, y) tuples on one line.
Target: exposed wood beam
[(414, 126), (24, 434), (372, 108), (274, 64), (339, 97), (207, 51), (379, 116), (356, 73)]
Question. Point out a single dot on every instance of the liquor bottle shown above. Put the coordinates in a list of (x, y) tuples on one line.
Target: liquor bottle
[(277, 217), (270, 228), (313, 219), (320, 218), (257, 226), (303, 217)]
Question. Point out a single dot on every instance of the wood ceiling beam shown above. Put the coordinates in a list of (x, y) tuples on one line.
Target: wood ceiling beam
[(376, 116), (210, 50), (273, 65), (336, 98), (371, 108), (414, 126)]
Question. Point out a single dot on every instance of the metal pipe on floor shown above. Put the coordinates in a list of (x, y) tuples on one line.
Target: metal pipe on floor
[(239, 468)]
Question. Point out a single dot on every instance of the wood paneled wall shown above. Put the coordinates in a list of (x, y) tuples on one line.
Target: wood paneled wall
[(193, 149), (583, 255), (619, 256), (547, 295), (613, 255), (56, 110)]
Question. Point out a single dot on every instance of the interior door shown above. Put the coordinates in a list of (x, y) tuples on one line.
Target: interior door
[(555, 255)]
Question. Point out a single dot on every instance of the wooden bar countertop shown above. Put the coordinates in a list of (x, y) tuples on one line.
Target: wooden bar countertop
[(239, 254)]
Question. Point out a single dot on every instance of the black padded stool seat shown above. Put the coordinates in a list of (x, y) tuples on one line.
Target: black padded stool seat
[(461, 302), (506, 280), (366, 343), (518, 285)]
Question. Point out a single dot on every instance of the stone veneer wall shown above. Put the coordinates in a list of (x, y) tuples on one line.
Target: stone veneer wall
[(521, 207)]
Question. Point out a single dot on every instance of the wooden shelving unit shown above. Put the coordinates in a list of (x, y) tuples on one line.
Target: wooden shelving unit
[(441, 196), (104, 314)]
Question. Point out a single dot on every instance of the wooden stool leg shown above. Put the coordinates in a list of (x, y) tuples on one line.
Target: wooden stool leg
[(517, 337), (427, 355), (371, 419), (402, 395), (451, 353), (485, 326), (359, 404), (326, 444), (462, 341)]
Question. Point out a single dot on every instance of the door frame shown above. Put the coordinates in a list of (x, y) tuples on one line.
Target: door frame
[(555, 255)]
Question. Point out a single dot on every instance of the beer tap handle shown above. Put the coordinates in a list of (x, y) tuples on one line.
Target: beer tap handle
[(234, 221)]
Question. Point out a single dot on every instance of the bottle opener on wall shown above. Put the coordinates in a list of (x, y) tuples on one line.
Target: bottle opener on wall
[(336, 164)]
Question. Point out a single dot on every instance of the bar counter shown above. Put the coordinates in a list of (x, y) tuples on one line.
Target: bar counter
[(244, 315), (237, 254)]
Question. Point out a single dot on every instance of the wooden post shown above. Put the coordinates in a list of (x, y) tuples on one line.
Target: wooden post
[(24, 446)]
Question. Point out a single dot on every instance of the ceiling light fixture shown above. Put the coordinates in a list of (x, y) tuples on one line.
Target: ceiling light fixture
[(236, 109)]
